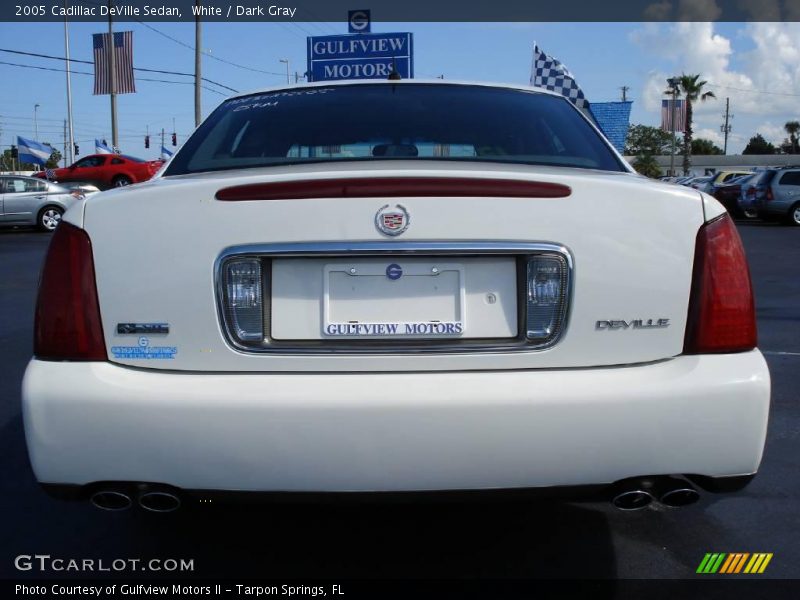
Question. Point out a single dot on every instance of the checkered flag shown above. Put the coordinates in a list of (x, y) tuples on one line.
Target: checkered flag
[(550, 74), (49, 174)]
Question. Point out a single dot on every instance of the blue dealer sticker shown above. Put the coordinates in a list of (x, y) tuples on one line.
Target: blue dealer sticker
[(144, 351)]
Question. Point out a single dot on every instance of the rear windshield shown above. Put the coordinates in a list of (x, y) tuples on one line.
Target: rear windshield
[(402, 121)]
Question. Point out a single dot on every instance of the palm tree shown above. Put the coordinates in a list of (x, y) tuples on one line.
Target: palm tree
[(693, 91), (793, 128)]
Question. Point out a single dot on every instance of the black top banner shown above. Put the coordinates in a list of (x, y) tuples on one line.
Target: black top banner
[(402, 10)]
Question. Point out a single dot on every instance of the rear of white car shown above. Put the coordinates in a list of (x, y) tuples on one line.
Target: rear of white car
[(402, 321)]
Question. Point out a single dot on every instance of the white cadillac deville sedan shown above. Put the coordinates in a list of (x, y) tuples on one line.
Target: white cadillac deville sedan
[(393, 287)]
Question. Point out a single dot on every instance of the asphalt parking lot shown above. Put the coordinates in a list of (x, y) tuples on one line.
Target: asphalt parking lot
[(475, 539)]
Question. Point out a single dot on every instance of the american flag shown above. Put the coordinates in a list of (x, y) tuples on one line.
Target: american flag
[(680, 115), (123, 63)]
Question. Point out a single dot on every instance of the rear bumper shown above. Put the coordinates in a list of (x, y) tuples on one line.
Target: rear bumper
[(392, 432)]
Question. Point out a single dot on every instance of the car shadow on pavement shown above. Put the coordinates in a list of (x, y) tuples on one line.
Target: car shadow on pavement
[(492, 539)]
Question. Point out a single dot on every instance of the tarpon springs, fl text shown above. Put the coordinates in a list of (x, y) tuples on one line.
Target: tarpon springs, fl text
[(180, 590)]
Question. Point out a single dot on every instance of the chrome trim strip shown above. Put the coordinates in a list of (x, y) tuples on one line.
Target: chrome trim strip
[(332, 249)]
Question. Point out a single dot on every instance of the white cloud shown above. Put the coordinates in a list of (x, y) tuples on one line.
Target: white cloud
[(770, 63), (772, 132), (711, 134), (773, 65)]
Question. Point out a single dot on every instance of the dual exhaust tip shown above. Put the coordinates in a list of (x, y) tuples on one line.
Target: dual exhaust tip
[(158, 501), (667, 491), (629, 495)]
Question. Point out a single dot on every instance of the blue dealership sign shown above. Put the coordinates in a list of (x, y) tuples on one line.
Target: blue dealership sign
[(360, 56)]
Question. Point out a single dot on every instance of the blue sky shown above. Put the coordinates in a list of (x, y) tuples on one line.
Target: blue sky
[(741, 60)]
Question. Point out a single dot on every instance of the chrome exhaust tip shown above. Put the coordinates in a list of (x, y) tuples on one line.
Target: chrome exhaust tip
[(111, 500), (680, 496), (632, 499), (159, 501)]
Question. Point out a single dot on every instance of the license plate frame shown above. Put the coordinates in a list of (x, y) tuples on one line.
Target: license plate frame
[(424, 310)]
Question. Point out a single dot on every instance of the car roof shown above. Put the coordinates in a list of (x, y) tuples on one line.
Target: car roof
[(349, 82), (22, 176)]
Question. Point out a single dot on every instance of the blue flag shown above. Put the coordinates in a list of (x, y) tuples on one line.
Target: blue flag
[(33, 152), (101, 148), (165, 154)]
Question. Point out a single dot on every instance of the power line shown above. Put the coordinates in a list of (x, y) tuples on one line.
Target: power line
[(89, 62), (92, 74), (208, 54), (727, 87), (192, 48)]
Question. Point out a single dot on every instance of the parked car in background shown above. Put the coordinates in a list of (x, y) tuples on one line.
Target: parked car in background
[(86, 189), (106, 170), (723, 178), (754, 188), (729, 193), (776, 196), (345, 307), (31, 201), (699, 183)]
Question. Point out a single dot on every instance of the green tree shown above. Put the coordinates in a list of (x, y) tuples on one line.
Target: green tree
[(705, 147), (793, 129), (692, 89), (52, 162), (643, 139), (758, 145), (646, 165)]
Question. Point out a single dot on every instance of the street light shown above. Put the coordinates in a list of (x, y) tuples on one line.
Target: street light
[(286, 60), (35, 122)]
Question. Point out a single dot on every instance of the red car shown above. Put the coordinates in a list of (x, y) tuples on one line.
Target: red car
[(107, 170)]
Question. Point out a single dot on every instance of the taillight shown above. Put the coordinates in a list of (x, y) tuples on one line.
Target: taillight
[(68, 323), (769, 195), (721, 310)]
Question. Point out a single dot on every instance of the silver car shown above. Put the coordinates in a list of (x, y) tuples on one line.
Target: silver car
[(32, 201)]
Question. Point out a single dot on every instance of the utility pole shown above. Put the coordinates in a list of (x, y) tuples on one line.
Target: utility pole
[(286, 60), (35, 122), (726, 128), (197, 66), (673, 83), (64, 156), (162, 141), (112, 77), (625, 89), (68, 158)]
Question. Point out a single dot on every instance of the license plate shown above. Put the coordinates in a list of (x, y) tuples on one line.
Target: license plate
[(393, 299)]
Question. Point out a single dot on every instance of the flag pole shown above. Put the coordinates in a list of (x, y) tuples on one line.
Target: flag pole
[(68, 157), (112, 77), (198, 116)]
